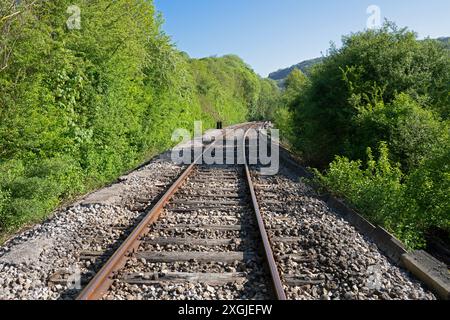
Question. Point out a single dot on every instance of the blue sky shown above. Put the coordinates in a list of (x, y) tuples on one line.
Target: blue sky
[(273, 34)]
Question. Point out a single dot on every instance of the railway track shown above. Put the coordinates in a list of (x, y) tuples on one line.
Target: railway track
[(205, 234), (228, 232), (218, 232)]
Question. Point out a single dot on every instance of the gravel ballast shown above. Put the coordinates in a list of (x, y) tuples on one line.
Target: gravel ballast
[(253, 282), (335, 262), (320, 256), (37, 263)]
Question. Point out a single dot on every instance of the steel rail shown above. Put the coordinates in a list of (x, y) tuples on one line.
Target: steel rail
[(274, 272), (103, 280)]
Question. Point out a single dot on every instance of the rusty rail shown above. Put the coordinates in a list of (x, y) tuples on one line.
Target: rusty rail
[(274, 273), (103, 280)]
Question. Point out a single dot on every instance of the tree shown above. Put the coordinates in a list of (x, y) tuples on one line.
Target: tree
[(295, 85), (372, 67)]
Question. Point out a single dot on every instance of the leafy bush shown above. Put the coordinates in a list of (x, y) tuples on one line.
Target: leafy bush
[(284, 116), (411, 130), (429, 187), (377, 191), (284, 121), (294, 88), (4, 205), (32, 191)]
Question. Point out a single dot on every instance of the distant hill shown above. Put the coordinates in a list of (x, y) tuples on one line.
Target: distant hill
[(302, 66), (445, 40)]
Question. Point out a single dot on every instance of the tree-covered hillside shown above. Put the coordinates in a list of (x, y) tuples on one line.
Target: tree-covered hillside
[(303, 66), (81, 103), (230, 90), (445, 41)]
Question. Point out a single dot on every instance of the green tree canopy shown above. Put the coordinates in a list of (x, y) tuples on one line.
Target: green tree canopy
[(372, 67)]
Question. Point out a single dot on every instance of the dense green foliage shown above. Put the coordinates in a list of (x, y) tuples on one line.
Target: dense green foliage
[(357, 88), (80, 106), (294, 86), (227, 83), (382, 87), (408, 206)]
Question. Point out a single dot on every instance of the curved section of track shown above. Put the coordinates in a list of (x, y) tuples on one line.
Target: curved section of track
[(206, 234)]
